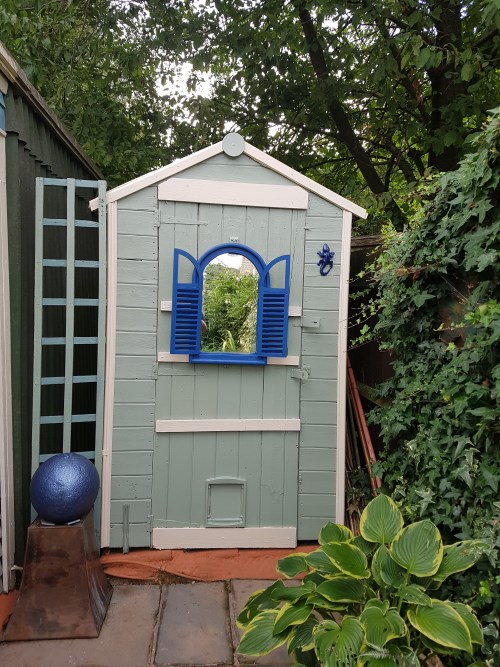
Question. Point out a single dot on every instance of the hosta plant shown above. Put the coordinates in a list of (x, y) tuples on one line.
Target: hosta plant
[(368, 600)]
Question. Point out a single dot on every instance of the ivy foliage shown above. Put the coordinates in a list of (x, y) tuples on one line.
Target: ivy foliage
[(439, 314)]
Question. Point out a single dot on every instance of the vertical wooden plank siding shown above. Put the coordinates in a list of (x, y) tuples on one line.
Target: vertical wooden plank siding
[(319, 411), (136, 290), (70, 312), (109, 378), (342, 368), (37, 345), (101, 342), (6, 441)]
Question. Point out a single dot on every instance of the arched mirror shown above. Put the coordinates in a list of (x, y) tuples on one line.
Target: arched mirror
[(229, 305)]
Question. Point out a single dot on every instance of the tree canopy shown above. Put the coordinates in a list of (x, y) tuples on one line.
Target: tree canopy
[(363, 97)]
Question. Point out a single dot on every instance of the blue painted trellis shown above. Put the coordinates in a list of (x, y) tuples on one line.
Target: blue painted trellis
[(43, 376)]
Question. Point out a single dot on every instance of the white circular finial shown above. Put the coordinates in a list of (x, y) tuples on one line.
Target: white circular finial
[(233, 144)]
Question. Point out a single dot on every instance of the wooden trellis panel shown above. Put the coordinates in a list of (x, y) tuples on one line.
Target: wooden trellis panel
[(70, 304)]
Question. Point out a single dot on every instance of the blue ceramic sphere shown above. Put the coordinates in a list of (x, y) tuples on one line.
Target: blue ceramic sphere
[(64, 488)]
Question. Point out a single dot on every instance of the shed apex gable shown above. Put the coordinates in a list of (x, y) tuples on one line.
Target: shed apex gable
[(259, 156)]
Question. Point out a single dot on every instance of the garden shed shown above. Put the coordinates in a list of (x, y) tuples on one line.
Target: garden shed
[(240, 443), (33, 145)]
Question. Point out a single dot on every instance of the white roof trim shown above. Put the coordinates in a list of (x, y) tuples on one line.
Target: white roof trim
[(259, 156)]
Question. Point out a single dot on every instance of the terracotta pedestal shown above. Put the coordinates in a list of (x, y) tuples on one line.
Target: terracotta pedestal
[(64, 592)]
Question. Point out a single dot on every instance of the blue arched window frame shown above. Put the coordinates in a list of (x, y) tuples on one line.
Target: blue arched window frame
[(272, 309)]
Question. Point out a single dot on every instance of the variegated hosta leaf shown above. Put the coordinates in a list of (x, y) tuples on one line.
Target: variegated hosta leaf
[(385, 570), (319, 561), (291, 614), (390, 656), (414, 594), (342, 589), (381, 520), (360, 542), (258, 601), (258, 638), (293, 592), (292, 565), (459, 557), (381, 624), (333, 532), (473, 625), (442, 624), (418, 548), (315, 578), (301, 636), (349, 559), (319, 603), (338, 646)]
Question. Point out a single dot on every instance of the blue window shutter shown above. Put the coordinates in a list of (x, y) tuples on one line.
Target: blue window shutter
[(186, 309), (272, 319)]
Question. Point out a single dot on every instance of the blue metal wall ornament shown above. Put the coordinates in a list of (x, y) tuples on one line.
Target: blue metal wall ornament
[(326, 260)]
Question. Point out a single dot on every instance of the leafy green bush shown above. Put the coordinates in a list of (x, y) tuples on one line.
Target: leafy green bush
[(439, 314), (367, 600)]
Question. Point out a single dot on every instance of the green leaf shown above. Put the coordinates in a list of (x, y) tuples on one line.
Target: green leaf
[(418, 548), (473, 625), (258, 601), (459, 557), (441, 624), (381, 520), (294, 592), (348, 558), (318, 560), (385, 570), (301, 636), (291, 614), (342, 589), (414, 594), (338, 646), (467, 71), (360, 542), (259, 638), (381, 625), (333, 532), (292, 565), (319, 602)]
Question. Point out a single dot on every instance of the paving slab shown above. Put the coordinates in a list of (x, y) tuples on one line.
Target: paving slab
[(239, 592), (125, 640), (194, 626)]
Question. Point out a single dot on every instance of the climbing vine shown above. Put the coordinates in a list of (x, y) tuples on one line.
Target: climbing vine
[(439, 314)]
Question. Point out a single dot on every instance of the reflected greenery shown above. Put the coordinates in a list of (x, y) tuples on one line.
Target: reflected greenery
[(230, 294)]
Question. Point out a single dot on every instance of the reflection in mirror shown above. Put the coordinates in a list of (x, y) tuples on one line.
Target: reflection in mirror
[(230, 293)]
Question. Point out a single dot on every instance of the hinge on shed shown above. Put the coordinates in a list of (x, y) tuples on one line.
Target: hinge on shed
[(300, 373), (149, 519), (154, 371), (311, 322)]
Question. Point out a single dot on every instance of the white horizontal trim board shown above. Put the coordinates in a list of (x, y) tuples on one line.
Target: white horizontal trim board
[(293, 311), (233, 193), (217, 538), (206, 425), (271, 361)]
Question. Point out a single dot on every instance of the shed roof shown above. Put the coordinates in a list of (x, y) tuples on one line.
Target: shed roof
[(15, 76), (259, 156)]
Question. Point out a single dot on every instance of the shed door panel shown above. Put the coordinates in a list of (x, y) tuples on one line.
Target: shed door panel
[(265, 463)]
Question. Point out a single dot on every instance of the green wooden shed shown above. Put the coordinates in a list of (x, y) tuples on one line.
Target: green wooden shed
[(33, 144), (217, 448)]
